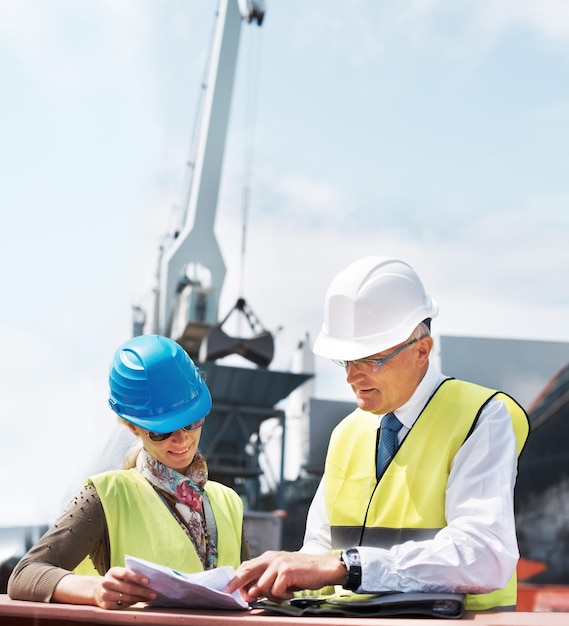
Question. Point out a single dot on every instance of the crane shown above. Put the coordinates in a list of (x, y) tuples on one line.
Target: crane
[(191, 268), (190, 280)]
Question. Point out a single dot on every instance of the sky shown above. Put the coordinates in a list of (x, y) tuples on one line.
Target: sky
[(430, 130)]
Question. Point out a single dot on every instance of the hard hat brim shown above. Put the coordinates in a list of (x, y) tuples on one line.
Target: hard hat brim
[(175, 419), (351, 349)]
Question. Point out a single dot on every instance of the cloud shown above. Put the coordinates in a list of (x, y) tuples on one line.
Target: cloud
[(394, 128), (548, 18), (22, 22), (308, 200), (54, 400)]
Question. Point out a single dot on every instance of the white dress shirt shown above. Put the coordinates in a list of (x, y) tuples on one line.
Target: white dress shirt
[(477, 551)]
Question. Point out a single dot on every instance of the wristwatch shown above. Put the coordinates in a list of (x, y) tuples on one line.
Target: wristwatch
[(351, 560)]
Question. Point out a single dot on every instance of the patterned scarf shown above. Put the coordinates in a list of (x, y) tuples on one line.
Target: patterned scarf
[(184, 494)]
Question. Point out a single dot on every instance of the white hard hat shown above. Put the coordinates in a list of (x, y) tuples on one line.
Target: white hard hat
[(371, 306)]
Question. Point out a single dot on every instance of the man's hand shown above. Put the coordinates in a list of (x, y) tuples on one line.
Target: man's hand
[(277, 575)]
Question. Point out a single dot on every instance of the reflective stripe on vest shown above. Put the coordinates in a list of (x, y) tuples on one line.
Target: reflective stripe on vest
[(409, 501), (141, 524)]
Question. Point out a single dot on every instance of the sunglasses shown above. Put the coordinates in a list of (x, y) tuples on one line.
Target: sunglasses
[(164, 436)]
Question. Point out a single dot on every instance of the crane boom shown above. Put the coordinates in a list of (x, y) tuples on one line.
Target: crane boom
[(194, 298)]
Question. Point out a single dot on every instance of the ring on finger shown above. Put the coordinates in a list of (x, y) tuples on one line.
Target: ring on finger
[(119, 601)]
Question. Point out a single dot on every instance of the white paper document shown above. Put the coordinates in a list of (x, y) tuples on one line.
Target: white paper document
[(202, 590)]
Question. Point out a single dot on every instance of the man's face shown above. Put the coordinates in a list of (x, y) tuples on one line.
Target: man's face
[(395, 381)]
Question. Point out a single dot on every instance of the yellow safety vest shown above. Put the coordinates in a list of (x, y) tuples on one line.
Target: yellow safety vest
[(408, 503), (141, 524)]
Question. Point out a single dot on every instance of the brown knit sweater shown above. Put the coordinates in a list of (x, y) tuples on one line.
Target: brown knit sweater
[(80, 531)]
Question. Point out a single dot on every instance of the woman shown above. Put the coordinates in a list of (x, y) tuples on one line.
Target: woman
[(160, 507)]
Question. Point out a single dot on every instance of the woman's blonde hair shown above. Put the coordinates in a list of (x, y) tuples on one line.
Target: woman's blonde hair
[(132, 453), (129, 460)]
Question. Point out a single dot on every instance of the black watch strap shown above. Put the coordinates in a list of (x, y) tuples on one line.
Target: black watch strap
[(351, 559)]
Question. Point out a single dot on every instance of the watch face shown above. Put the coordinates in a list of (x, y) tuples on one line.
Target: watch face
[(351, 557)]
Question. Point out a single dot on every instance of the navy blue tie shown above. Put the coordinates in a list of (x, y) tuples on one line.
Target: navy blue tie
[(388, 443)]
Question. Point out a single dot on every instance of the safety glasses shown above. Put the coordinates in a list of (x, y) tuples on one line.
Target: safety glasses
[(373, 365), (163, 436)]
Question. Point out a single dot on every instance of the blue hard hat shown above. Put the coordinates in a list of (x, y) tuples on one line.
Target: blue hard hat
[(154, 384)]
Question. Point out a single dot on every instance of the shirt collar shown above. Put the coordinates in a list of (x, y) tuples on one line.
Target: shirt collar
[(408, 413)]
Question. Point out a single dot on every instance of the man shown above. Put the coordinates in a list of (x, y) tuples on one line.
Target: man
[(438, 516)]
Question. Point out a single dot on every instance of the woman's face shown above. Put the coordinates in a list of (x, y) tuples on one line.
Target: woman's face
[(176, 452)]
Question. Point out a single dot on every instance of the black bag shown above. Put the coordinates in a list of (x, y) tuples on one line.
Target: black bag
[(444, 605)]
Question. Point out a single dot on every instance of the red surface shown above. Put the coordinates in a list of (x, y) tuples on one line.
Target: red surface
[(15, 613), (526, 569), (543, 598)]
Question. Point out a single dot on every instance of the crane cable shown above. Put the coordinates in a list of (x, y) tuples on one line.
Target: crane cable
[(253, 67)]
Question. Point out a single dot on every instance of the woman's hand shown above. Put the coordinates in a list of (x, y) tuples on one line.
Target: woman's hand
[(122, 587), (277, 575), (118, 588)]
